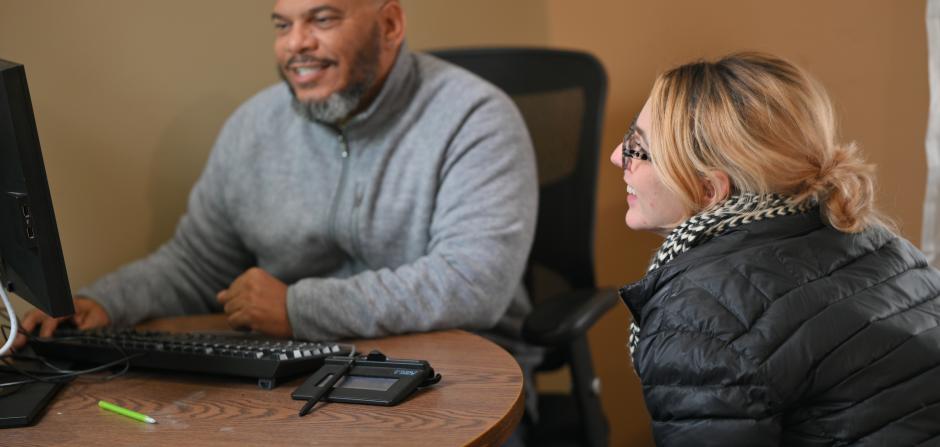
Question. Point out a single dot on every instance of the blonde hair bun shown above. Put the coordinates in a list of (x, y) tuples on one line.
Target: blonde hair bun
[(766, 124)]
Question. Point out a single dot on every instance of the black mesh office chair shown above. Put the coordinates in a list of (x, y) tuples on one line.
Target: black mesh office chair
[(561, 95)]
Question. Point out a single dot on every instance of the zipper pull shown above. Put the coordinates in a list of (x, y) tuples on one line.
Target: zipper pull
[(342, 143)]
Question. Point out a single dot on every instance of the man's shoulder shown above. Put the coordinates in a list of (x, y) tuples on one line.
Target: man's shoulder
[(266, 114), (454, 81), (267, 104), (263, 110)]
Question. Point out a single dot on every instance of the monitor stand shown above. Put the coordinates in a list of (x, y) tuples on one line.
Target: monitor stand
[(23, 405)]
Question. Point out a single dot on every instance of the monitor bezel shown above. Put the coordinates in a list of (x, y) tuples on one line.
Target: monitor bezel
[(31, 261)]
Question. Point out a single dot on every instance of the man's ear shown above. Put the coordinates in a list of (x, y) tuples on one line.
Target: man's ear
[(717, 187), (392, 26)]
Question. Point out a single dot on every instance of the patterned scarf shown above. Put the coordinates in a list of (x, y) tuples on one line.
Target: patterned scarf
[(738, 210)]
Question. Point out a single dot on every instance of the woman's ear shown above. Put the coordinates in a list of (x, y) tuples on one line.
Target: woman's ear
[(717, 187)]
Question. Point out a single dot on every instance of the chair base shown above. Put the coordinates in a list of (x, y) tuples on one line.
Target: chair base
[(559, 422)]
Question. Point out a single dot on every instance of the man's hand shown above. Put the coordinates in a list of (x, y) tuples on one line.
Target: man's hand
[(258, 301), (88, 315)]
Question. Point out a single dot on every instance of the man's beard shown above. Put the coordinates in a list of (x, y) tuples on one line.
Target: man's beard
[(339, 105)]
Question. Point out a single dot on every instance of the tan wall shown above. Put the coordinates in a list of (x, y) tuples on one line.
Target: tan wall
[(129, 96)]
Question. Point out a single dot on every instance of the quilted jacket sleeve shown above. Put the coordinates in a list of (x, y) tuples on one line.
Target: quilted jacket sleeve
[(699, 390)]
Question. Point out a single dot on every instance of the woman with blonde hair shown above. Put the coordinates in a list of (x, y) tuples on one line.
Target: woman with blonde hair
[(781, 309)]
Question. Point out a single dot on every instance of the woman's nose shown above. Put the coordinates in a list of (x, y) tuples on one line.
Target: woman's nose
[(616, 157)]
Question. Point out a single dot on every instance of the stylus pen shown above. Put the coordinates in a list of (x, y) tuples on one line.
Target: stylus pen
[(321, 391), (125, 412)]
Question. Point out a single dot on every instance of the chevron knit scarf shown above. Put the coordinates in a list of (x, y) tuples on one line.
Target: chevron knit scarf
[(738, 210)]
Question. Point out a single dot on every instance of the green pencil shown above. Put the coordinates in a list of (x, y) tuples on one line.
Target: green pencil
[(125, 412)]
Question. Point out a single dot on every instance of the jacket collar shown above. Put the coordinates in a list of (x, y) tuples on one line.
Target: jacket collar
[(637, 294)]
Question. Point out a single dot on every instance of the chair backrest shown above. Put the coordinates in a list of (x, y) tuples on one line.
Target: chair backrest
[(561, 95)]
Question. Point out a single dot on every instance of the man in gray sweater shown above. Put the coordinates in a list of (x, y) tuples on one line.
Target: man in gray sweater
[(375, 191)]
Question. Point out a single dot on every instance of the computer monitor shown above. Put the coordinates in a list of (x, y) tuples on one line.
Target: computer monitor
[(31, 263)]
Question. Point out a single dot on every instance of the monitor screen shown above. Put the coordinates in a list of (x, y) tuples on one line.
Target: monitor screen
[(31, 263)]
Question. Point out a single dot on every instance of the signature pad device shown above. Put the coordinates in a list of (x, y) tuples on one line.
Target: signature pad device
[(372, 379)]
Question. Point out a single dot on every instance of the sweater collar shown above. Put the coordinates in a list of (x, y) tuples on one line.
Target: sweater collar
[(398, 86)]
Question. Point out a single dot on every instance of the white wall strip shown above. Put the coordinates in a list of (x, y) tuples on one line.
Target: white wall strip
[(930, 238)]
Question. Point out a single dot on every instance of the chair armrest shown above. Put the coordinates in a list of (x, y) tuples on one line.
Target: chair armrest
[(568, 316)]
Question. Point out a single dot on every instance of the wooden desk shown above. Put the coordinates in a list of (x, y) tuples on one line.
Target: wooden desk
[(478, 402)]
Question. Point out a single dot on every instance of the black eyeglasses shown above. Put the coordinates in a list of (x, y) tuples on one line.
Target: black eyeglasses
[(631, 148)]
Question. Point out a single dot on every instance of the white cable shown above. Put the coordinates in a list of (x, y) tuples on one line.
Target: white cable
[(13, 324)]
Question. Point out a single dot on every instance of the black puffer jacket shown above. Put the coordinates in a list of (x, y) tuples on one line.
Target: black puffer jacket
[(787, 332)]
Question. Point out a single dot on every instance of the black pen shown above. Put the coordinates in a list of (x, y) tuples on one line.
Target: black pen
[(321, 391)]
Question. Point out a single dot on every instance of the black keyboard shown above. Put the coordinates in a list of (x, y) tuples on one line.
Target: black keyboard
[(266, 359)]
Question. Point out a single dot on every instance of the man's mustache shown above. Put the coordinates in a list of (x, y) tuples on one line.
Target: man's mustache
[(306, 59)]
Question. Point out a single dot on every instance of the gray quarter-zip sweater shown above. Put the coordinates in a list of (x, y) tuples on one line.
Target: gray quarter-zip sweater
[(416, 215)]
